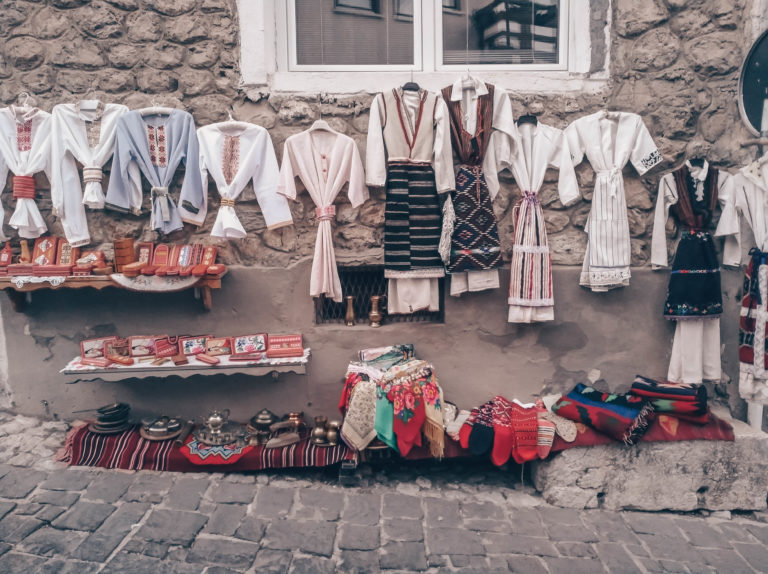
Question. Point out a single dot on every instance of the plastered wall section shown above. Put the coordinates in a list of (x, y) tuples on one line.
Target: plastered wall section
[(675, 62)]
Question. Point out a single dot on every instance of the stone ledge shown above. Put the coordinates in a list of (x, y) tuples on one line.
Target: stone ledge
[(680, 476)]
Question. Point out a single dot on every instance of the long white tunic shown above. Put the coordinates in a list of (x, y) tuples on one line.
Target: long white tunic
[(610, 140), (84, 133), (528, 154), (749, 200), (324, 161), (25, 149), (234, 154)]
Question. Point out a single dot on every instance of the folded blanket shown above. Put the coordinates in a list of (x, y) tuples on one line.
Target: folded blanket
[(677, 399), (622, 417)]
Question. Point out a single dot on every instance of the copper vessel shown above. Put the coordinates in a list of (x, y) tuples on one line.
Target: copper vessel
[(349, 319)]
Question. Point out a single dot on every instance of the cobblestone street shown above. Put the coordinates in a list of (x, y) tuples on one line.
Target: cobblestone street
[(418, 517)]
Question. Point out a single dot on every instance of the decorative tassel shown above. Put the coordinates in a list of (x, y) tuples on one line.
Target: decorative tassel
[(436, 436), (449, 223), (639, 426)]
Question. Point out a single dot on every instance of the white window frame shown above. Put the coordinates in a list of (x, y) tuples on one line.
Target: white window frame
[(268, 46)]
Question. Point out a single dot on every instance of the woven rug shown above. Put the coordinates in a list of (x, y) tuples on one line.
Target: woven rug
[(129, 451)]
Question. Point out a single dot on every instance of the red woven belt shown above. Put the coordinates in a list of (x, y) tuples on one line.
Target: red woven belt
[(325, 213), (23, 187)]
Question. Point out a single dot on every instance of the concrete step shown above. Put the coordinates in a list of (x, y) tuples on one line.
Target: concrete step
[(681, 476)]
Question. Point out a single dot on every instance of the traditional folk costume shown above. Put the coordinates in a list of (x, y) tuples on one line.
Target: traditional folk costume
[(25, 149), (475, 109), (83, 133), (527, 154), (155, 145), (694, 298), (749, 200), (409, 150), (609, 140), (234, 153), (324, 160)]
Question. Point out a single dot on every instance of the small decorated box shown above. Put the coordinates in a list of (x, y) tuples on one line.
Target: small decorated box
[(218, 346), (193, 345), (44, 252), (94, 348), (142, 345), (285, 346)]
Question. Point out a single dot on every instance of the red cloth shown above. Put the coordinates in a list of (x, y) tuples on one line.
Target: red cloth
[(408, 402), (662, 428), (23, 187), (129, 451)]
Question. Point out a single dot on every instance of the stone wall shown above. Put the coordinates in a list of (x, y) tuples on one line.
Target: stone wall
[(675, 62)]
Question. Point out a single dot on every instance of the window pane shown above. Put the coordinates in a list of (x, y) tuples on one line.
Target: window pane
[(333, 32), (501, 32)]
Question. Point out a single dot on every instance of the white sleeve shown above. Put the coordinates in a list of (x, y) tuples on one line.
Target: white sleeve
[(273, 205), (560, 158), (357, 190), (375, 152), (497, 157), (733, 200), (442, 154), (575, 143), (666, 198), (644, 154), (503, 118)]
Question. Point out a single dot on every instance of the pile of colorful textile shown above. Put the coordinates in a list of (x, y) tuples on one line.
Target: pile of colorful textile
[(390, 395), (625, 417), (512, 429)]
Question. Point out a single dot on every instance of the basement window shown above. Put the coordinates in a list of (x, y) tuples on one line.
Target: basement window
[(362, 282)]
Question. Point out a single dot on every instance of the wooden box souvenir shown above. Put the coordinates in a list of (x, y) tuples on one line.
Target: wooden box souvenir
[(159, 259), (82, 270), (218, 346), (196, 251), (118, 347), (124, 252), (172, 267), (96, 361), (145, 250), (142, 345), (193, 345), (94, 348), (249, 344), (53, 270), (6, 256), (285, 346), (66, 254), (44, 252), (167, 346), (21, 269)]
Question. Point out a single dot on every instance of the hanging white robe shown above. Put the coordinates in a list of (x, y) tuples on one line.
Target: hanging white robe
[(234, 153), (609, 140), (25, 149), (749, 200), (324, 161), (528, 154), (83, 133)]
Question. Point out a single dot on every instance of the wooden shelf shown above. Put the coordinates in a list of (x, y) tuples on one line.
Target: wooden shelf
[(77, 372), (19, 287)]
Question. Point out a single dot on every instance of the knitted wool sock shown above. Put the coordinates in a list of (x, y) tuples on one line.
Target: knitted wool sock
[(466, 428), (546, 437), (503, 433), (525, 423), (481, 437)]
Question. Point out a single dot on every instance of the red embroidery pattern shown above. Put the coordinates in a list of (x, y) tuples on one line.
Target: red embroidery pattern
[(24, 135), (157, 146), (230, 157)]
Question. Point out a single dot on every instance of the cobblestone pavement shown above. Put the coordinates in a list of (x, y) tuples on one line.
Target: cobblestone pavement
[(417, 517)]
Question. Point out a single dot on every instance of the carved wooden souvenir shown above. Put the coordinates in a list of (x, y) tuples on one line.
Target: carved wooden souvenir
[(193, 345), (249, 343), (67, 255), (44, 252), (172, 263), (208, 258), (94, 348), (145, 252), (207, 359), (218, 346), (285, 346), (167, 346), (159, 259), (142, 346), (117, 346), (6, 255)]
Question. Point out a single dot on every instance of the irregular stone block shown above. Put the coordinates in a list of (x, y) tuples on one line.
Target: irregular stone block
[(712, 475), (52, 542), (84, 516), (25, 53), (633, 18)]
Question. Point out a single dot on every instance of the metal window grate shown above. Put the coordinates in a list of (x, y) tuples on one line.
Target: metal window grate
[(361, 283)]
